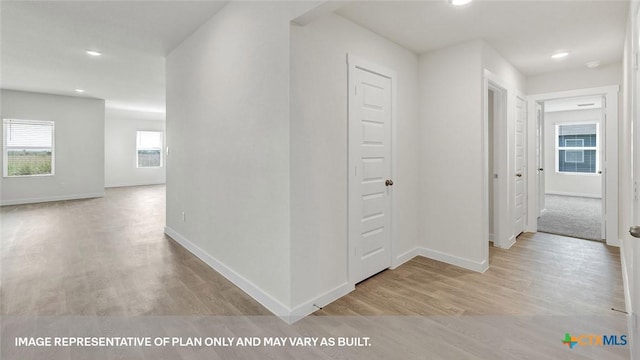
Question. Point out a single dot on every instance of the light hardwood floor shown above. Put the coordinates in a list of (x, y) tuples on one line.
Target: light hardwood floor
[(542, 274), (109, 256)]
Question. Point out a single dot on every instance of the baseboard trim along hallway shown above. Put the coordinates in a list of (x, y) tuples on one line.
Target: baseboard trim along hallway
[(292, 315), (285, 313)]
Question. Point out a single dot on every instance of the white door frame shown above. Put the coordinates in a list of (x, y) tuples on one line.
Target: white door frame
[(512, 149), (501, 237), (354, 62), (609, 163), (540, 164)]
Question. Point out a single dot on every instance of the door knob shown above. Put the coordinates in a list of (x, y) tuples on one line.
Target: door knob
[(599, 171), (635, 231), (519, 175), (389, 182), (541, 169)]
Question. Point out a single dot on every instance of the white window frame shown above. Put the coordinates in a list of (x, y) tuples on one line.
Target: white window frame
[(558, 148), (161, 147), (5, 148)]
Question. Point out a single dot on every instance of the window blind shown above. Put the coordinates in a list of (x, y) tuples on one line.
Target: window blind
[(22, 134)]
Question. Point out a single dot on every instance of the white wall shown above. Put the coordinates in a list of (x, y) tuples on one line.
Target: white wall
[(500, 67), (588, 185), (79, 147), (451, 163), (452, 187), (604, 75), (228, 134), (120, 150), (319, 150)]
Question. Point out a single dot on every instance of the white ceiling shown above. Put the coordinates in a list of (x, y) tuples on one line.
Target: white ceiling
[(525, 32), (43, 46), (42, 43)]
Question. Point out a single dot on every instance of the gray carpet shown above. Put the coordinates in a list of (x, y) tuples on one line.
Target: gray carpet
[(572, 216)]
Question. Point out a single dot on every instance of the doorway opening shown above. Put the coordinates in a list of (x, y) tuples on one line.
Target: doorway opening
[(492, 164), (570, 161), (496, 195)]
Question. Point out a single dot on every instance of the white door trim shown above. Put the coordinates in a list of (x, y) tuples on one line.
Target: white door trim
[(610, 162), (354, 62), (501, 211), (518, 95), (540, 154)]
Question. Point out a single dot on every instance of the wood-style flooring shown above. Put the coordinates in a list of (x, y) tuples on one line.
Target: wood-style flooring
[(541, 274), (109, 256)]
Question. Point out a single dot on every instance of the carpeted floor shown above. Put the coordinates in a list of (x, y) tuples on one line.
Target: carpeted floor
[(572, 216)]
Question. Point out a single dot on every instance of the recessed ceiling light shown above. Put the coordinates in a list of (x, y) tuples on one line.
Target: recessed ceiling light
[(93, 52), (560, 55), (79, 90), (459, 2), (593, 64)]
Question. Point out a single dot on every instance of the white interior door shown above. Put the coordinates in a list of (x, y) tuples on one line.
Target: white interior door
[(520, 167), (540, 156), (370, 180)]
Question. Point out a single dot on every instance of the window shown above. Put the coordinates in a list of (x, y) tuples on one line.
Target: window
[(28, 147), (577, 148), (149, 149)]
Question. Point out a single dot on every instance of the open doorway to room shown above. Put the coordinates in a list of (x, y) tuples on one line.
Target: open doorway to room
[(497, 199), (570, 136)]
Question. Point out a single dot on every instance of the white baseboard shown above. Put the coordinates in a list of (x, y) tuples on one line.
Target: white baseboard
[(440, 256), (289, 315), (51, 198), (403, 258), (563, 193), (276, 307), (273, 305), (117, 185), (309, 306), (614, 242), (509, 244), (455, 260)]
